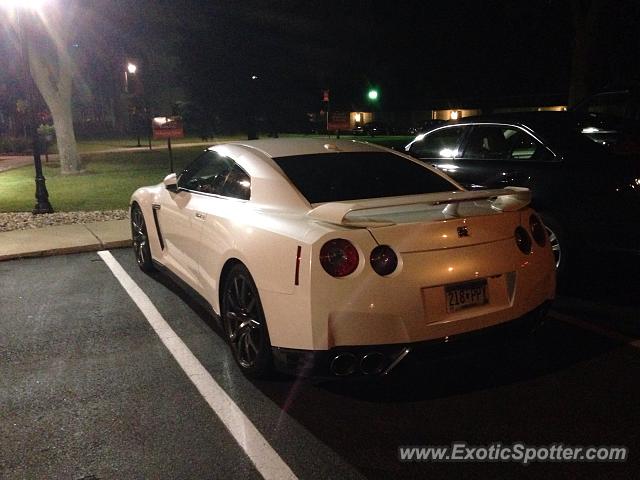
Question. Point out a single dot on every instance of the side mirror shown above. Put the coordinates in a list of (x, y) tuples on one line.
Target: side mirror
[(171, 182)]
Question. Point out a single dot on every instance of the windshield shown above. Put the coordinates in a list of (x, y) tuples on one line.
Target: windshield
[(333, 177), (610, 103)]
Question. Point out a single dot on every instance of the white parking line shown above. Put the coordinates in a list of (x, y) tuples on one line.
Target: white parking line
[(264, 457), (613, 335)]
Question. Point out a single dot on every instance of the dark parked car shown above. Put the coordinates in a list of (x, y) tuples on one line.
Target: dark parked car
[(588, 197), (612, 118), (372, 129)]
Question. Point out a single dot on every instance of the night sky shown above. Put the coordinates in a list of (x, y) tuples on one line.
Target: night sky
[(414, 51), (417, 53)]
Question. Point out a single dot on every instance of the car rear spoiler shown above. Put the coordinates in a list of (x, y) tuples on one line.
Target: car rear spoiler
[(506, 199)]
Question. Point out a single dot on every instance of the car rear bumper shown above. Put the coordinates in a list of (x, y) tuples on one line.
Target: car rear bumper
[(378, 360)]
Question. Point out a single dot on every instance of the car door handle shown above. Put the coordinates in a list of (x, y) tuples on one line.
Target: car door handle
[(201, 215)]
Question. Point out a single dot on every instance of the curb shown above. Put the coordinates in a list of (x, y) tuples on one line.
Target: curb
[(67, 250), (65, 239)]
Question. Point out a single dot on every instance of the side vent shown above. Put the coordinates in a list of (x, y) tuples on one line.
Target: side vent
[(156, 207)]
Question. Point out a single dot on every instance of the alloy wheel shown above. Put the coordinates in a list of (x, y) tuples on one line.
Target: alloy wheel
[(555, 246), (244, 322), (140, 239)]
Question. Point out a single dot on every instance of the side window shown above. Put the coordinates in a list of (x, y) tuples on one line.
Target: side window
[(206, 174), (442, 143), (502, 143), (213, 173), (237, 185)]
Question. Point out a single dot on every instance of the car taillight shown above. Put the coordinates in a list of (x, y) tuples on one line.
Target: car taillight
[(523, 240), (339, 257), (383, 260), (537, 230)]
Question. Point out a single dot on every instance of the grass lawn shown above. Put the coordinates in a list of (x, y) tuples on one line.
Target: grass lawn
[(107, 183), (110, 178), (96, 145), (90, 146)]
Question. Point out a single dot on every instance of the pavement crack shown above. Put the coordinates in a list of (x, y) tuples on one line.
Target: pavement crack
[(95, 236)]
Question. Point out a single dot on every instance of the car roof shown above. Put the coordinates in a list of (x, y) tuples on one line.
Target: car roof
[(520, 118), (270, 185)]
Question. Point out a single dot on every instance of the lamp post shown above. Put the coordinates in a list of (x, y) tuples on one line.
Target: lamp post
[(133, 106), (131, 69), (42, 195), (252, 127)]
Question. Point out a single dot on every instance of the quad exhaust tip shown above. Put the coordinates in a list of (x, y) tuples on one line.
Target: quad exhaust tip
[(343, 364), (372, 363)]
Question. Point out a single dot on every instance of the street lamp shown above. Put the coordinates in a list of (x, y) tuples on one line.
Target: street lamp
[(254, 86), (131, 69), (31, 6)]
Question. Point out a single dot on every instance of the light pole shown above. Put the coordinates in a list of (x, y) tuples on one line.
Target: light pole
[(42, 195), (131, 69), (133, 107), (252, 127)]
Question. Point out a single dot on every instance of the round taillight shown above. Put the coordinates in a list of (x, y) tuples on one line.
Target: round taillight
[(523, 240), (537, 230), (339, 257), (384, 260)]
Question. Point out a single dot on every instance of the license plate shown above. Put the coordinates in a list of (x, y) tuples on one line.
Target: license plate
[(465, 295)]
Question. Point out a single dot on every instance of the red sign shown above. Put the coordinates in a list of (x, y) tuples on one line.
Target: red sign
[(338, 121), (167, 127)]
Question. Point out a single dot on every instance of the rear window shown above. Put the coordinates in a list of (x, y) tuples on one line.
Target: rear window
[(333, 177)]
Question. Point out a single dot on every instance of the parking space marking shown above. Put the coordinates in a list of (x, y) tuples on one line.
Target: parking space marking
[(264, 457), (613, 335)]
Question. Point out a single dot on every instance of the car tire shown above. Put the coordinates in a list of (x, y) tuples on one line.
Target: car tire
[(558, 240), (244, 324), (140, 239)]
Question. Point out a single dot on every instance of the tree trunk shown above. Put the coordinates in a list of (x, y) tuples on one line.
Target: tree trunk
[(584, 63), (65, 137), (56, 91)]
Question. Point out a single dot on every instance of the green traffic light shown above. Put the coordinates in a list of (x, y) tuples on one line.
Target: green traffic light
[(373, 94)]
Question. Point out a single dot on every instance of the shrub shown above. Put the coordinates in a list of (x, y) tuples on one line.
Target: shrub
[(15, 145)]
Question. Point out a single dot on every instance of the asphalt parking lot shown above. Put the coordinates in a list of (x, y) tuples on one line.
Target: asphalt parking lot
[(88, 390)]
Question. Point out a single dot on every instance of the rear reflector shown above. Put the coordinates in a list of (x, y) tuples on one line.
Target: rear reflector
[(297, 279)]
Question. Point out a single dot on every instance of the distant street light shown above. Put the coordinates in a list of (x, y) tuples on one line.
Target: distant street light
[(32, 6), (254, 97), (131, 69)]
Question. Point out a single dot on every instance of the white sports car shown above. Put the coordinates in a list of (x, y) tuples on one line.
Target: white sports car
[(341, 257)]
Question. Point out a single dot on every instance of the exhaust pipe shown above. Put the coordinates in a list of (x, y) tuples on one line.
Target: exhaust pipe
[(372, 363), (343, 364), (398, 359)]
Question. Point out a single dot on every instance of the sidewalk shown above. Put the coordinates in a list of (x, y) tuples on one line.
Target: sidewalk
[(64, 239)]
